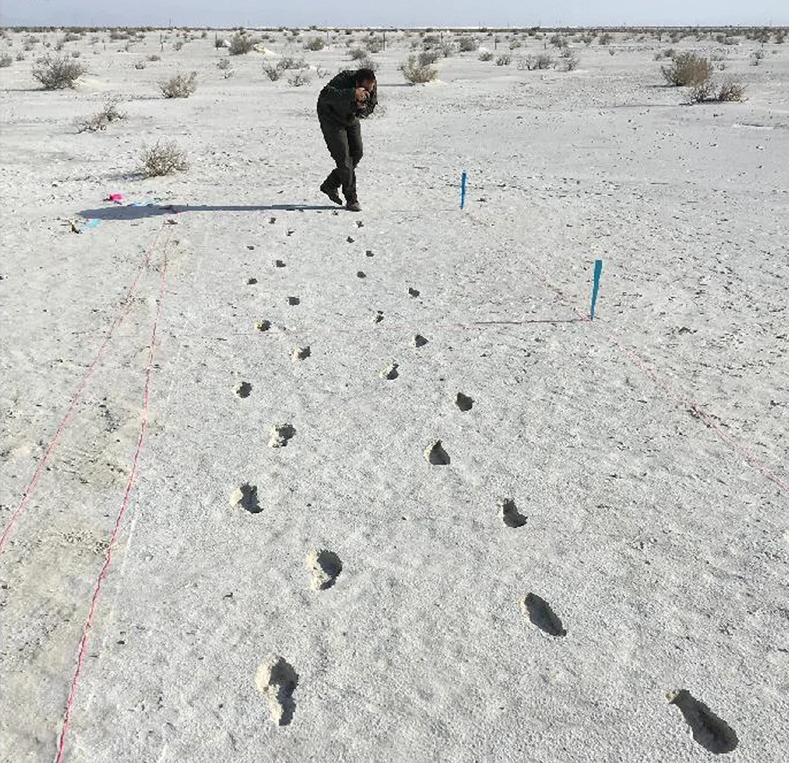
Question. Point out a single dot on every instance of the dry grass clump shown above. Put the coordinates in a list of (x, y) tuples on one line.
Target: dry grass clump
[(163, 158), (99, 121), (705, 92), (5, 61), (486, 55), (299, 79), (416, 72), (179, 86), (467, 44), (240, 43), (58, 72), (532, 63), (504, 60), (315, 44), (687, 69)]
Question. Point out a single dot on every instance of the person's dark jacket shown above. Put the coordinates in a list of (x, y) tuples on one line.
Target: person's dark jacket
[(337, 101)]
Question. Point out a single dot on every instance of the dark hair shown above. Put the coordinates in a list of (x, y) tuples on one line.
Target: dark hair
[(363, 75)]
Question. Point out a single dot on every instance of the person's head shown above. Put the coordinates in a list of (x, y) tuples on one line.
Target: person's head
[(365, 78)]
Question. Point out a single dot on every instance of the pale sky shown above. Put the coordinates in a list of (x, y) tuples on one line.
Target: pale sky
[(403, 13)]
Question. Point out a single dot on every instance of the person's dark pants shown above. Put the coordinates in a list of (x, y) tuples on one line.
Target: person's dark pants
[(345, 146)]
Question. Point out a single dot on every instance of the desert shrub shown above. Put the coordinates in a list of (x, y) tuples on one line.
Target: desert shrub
[(322, 72), (428, 57), (299, 79), (20, 56), (731, 91), (57, 73), (486, 55), (430, 39), (71, 37), (272, 72), (687, 69), (110, 113), (179, 86), (154, 57), (76, 54), (780, 36), (163, 158), (569, 60), (240, 44), (727, 92), (605, 38), (515, 44), (139, 65), (5, 61), (59, 46), (756, 57), (467, 44), (661, 54), (220, 42), (557, 41), (417, 73), (223, 63), (504, 60), (531, 63), (316, 43), (374, 46), (178, 45), (356, 54), (286, 62)]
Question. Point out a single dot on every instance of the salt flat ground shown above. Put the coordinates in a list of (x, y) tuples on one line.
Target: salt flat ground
[(647, 450)]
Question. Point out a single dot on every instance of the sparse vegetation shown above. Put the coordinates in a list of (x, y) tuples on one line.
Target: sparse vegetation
[(240, 43), (179, 86), (57, 72), (504, 60), (417, 73), (163, 158), (687, 69), (606, 38), (428, 57), (272, 72), (223, 63), (486, 55), (531, 63), (315, 44), (110, 113), (705, 92), (5, 61), (467, 44), (299, 79)]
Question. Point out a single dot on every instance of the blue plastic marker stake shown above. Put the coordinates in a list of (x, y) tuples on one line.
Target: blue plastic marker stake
[(92, 223), (598, 271), (463, 190)]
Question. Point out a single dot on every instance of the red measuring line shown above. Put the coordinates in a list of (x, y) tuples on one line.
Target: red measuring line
[(81, 387), (94, 602)]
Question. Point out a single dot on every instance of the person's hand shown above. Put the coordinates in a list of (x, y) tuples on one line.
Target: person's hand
[(361, 95)]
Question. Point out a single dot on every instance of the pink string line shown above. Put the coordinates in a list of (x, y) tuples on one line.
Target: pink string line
[(82, 386), (688, 404), (83, 645)]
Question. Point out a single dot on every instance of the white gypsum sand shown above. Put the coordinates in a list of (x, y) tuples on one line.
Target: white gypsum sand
[(560, 540)]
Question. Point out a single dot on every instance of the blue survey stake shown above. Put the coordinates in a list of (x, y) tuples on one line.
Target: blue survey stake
[(463, 190), (598, 271)]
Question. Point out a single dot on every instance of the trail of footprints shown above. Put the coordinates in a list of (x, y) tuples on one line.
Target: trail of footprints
[(277, 680)]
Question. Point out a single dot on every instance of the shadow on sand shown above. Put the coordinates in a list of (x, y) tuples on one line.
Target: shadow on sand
[(131, 212)]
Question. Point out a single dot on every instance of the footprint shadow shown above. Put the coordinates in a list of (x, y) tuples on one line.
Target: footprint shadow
[(541, 615), (709, 730)]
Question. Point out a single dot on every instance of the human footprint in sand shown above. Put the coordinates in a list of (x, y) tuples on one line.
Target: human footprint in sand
[(350, 95)]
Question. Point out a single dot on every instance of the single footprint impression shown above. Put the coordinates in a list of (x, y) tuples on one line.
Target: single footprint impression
[(710, 731), (464, 402), (301, 353), (277, 680), (325, 567), (243, 389), (436, 455), (280, 434), (510, 514), (390, 372), (540, 613), (246, 497)]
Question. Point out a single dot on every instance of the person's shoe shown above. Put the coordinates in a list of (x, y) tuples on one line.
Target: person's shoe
[(353, 206), (332, 194)]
